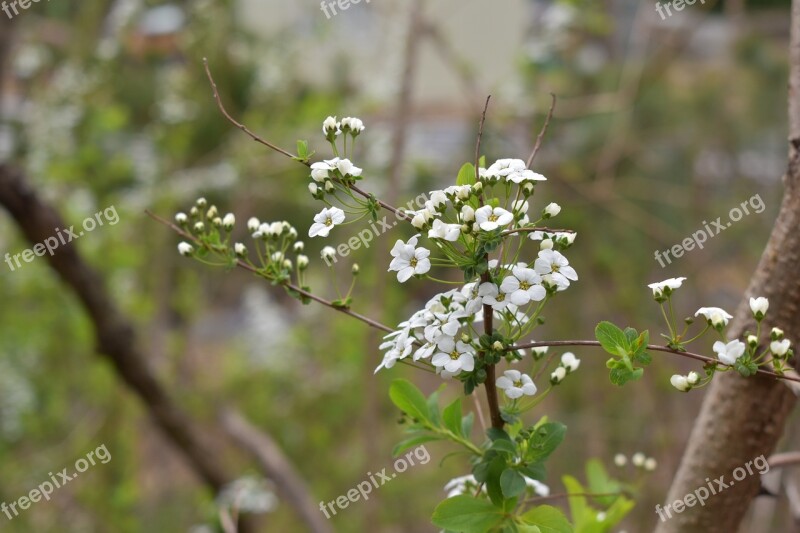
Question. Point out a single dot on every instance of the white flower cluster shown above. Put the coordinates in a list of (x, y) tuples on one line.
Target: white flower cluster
[(469, 485), (733, 352), (638, 459)]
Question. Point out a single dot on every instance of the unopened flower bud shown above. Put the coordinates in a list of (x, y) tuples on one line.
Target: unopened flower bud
[(181, 218), (229, 221)]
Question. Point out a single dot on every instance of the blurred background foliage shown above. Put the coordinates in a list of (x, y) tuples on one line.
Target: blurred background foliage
[(660, 126)]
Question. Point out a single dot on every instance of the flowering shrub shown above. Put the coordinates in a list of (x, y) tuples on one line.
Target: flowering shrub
[(513, 267)]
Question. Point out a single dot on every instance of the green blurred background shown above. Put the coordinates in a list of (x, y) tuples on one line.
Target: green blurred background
[(660, 126)]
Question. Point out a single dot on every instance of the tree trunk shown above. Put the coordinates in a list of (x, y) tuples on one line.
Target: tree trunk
[(741, 419)]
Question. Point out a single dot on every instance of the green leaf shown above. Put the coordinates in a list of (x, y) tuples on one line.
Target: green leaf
[(612, 339), (466, 424), (466, 176), (496, 433), (582, 514), (452, 417), (622, 375), (413, 442), (465, 514), (512, 483), (409, 399), (504, 446), (548, 519), (544, 441), (535, 471), (527, 528), (302, 149), (493, 473), (601, 483)]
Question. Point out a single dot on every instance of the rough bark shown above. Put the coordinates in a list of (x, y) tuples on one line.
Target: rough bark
[(741, 419)]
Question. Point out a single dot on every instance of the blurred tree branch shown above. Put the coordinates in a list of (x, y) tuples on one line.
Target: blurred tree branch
[(742, 419)]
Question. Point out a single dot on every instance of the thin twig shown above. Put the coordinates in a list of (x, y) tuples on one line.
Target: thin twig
[(653, 347), (480, 136), (531, 230), (541, 133)]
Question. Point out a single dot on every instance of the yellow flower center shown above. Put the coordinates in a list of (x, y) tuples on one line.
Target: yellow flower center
[(524, 285), (493, 218), (328, 222), (413, 262), (500, 297), (518, 384), (454, 355)]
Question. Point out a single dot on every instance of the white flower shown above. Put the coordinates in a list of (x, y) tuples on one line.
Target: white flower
[(780, 348), (489, 218), (680, 382), (650, 464), (346, 167), (759, 307), (420, 218), (353, 125), (570, 362), (319, 171), (666, 287), (185, 249), (551, 210), (546, 244), (513, 170), (461, 485), (302, 262), (540, 489), (558, 375), (493, 296), (437, 200), (409, 260), (240, 249), (181, 218), (620, 460), (325, 220), (454, 356), (328, 254), (516, 384), (692, 378), (331, 126), (729, 353), (448, 232), (524, 286), (298, 246), (228, 221), (313, 189), (638, 459), (556, 266), (467, 213), (714, 315), (539, 352), (252, 224)]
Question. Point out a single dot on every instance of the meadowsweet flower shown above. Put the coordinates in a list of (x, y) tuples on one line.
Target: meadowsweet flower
[(409, 260), (680, 382), (665, 288), (780, 348), (523, 286), (181, 218), (201, 203), (302, 262), (650, 464), (620, 460), (325, 220), (462, 485), (320, 171), (570, 362), (759, 307), (638, 459), (558, 375), (513, 170), (494, 296), (692, 378), (539, 352), (729, 353), (328, 254), (199, 227), (352, 125), (228, 221), (516, 384), (185, 249), (240, 249), (454, 356), (252, 224), (539, 488), (330, 127), (553, 264), (489, 218), (467, 213), (714, 315), (551, 210), (448, 232)]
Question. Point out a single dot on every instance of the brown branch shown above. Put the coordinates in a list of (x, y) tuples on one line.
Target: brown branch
[(276, 466), (532, 230), (480, 136), (539, 139), (653, 347)]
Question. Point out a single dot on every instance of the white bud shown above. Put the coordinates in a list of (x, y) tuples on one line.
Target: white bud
[(546, 244), (229, 221), (313, 189), (201, 203), (185, 249), (620, 460), (650, 464), (240, 249), (253, 224), (638, 459), (551, 210), (780, 348), (298, 246), (680, 382), (692, 378), (302, 262), (467, 213), (181, 218), (328, 253), (199, 227)]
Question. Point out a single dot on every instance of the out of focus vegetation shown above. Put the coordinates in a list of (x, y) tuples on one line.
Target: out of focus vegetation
[(659, 127)]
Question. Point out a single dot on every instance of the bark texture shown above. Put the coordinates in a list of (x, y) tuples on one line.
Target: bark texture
[(742, 419)]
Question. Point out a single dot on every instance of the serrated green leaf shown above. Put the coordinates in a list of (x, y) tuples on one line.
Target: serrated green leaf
[(409, 399), (465, 514), (544, 441), (548, 519)]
